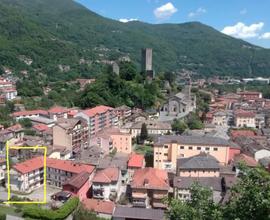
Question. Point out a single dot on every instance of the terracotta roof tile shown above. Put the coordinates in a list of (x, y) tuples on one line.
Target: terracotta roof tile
[(41, 127), (79, 180), (107, 175), (136, 160), (65, 165), (33, 112), (150, 178), (99, 206), (58, 110), (97, 110)]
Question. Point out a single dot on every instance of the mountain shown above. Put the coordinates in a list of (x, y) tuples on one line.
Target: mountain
[(63, 32)]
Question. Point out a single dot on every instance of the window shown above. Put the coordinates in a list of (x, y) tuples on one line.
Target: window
[(215, 149), (190, 148), (182, 147), (165, 154), (166, 146), (207, 148), (199, 148)]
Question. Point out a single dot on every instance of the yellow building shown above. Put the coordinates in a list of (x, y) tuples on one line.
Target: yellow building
[(167, 149)]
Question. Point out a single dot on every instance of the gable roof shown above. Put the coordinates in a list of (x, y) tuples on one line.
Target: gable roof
[(136, 160), (150, 178), (187, 182), (33, 112), (193, 140), (97, 110), (200, 161), (107, 175), (79, 180), (138, 213), (58, 110), (65, 165), (99, 206)]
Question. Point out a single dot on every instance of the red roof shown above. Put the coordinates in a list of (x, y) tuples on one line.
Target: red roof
[(41, 127), (97, 110), (249, 93), (33, 112), (107, 175), (65, 165), (136, 160), (58, 110), (79, 180), (99, 206), (249, 161), (150, 178), (245, 133), (15, 127), (242, 113)]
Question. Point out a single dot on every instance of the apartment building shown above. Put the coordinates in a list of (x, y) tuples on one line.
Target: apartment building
[(244, 119), (29, 175), (71, 134), (149, 187), (167, 149), (99, 118), (250, 95), (153, 128)]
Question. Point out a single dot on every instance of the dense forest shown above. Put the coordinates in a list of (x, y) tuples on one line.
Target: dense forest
[(64, 39)]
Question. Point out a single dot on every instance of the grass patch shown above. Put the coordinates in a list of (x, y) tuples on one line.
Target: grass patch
[(9, 210)]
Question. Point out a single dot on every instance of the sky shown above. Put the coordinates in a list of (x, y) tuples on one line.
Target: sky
[(245, 19)]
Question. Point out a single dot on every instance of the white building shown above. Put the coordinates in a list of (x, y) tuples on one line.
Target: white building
[(106, 183)]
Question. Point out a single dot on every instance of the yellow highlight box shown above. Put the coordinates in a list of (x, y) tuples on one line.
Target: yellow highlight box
[(8, 175)]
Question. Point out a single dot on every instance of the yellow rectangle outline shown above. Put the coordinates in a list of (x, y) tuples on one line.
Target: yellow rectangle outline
[(44, 175)]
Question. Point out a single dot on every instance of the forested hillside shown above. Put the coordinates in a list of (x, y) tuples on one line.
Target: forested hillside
[(62, 32)]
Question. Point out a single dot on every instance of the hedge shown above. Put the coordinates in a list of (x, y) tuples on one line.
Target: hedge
[(36, 212), (2, 216)]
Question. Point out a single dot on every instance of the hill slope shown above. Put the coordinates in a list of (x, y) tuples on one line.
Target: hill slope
[(62, 32)]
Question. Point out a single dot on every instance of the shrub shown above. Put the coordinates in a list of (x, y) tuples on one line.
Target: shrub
[(36, 212), (2, 216)]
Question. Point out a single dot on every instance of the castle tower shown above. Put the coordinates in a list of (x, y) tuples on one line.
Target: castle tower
[(147, 59)]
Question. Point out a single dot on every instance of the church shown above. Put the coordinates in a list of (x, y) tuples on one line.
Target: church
[(178, 105)]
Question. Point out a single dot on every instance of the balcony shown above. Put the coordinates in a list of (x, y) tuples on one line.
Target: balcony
[(159, 196), (138, 195)]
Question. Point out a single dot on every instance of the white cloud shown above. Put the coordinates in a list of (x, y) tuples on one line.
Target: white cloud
[(243, 11), (126, 20), (198, 12), (165, 11), (240, 30), (265, 36)]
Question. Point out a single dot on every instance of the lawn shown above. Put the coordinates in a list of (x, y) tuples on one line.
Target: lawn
[(9, 210)]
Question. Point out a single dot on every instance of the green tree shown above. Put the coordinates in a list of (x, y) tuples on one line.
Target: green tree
[(194, 122), (25, 122), (179, 126), (144, 132), (127, 71), (250, 197), (200, 207)]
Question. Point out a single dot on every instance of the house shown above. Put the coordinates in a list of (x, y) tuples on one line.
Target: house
[(149, 187), (79, 185), (58, 112), (168, 148), (182, 186), (42, 120), (103, 209), (128, 213), (153, 128), (178, 106), (71, 134), (29, 114), (98, 118), (220, 118), (242, 133), (106, 183), (244, 119), (119, 160), (135, 162), (201, 165), (29, 175)]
